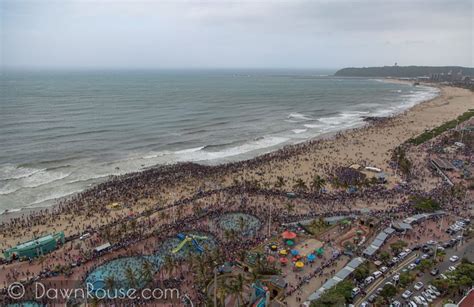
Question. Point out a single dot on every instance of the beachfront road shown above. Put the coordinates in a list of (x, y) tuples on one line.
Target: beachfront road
[(464, 250)]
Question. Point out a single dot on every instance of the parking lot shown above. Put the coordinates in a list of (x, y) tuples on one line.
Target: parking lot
[(420, 292)]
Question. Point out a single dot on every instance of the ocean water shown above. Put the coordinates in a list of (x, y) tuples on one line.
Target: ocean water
[(61, 132)]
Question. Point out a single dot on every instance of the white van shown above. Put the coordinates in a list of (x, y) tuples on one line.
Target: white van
[(369, 280), (377, 274), (355, 292)]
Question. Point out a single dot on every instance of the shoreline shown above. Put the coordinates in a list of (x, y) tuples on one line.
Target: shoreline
[(327, 136)]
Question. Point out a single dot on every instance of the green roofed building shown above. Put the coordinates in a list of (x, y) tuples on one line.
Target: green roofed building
[(36, 247)]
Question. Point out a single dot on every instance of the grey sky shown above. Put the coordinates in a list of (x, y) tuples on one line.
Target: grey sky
[(220, 33)]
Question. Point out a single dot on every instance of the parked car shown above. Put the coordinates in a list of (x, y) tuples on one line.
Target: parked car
[(425, 256), (434, 290), (396, 277), (364, 304), (451, 269), (431, 293), (355, 292), (427, 296), (417, 300), (423, 300), (412, 304), (369, 280), (407, 294), (383, 269), (377, 274), (418, 285), (454, 258), (372, 298), (378, 291), (434, 271), (411, 266), (396, 304)]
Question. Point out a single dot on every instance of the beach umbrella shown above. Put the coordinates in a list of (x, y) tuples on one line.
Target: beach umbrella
[(283, 252), (271, 259), (294, 252), (288, 235), (283, 260), (320, 251), (273, 247), (290, 242), (311, 257), (299, 264)]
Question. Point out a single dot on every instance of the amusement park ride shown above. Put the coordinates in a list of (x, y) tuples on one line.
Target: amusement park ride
[(187, 239)]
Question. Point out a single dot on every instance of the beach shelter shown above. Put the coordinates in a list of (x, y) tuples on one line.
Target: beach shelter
[(283, 252), (299, 264), (290, 242), (273, 247), (294, 252), (311, 257), (288, 235), (283, 260), (320, 251)]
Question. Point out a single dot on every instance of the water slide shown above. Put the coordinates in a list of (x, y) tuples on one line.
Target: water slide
[(259, 303), (181, 245), (197, 246)]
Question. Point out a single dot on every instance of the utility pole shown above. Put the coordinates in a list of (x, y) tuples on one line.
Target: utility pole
[(215, 286), (269, 221)]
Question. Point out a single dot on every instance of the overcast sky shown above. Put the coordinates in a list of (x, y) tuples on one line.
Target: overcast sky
[(226, 34)]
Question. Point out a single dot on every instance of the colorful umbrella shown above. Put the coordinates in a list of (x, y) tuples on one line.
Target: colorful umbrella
[(283, 252), (311, 257), (299, 264), (288, 235), (320, 251), (290, 242), (294, 252), (283, 260), (273, 247), (271, 259)]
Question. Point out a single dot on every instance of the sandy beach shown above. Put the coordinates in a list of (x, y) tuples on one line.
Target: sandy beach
[(368, 146)]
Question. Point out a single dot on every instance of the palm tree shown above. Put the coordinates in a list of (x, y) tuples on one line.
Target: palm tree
[(289, 207), (317, 184), (238, 288), (130, 276), (242, 223), (168, 265), (440, 255), (147, 272), (110, 282), (280, 182), (300, 185)]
